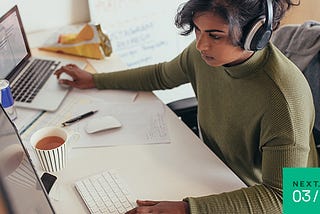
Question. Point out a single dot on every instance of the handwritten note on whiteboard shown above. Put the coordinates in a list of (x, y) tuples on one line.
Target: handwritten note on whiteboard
[(142, 32)]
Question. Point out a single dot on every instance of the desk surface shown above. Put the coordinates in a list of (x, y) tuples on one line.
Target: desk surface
[(184, 167)]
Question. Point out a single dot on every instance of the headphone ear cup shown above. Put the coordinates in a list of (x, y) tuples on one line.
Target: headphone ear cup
[(258, 36)]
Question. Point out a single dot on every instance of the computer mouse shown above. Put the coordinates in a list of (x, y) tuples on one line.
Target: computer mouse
[(65, 77), (102, 123)]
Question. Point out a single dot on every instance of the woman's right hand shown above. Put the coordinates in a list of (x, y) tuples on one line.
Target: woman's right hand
[(81, 78)]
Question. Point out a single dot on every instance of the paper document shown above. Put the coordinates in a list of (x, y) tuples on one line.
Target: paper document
[(108, 64), (142, 122)]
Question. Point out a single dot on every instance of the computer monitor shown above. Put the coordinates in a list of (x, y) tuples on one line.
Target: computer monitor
[(21, 188)]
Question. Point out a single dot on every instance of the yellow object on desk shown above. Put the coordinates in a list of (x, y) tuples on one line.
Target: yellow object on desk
[(90, 42), (85, 34)]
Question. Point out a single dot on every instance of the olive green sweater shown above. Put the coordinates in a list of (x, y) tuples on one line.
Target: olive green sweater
[(256, 116)]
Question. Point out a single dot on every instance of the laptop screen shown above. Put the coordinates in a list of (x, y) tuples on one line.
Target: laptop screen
[(14, 49), (23, 187)]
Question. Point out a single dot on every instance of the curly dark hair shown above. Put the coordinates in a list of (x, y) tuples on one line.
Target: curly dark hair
[(237, 13)]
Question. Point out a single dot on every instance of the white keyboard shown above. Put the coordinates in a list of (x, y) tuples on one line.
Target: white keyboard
[(105, 192)]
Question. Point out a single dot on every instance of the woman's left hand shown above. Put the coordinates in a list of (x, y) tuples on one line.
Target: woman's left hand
[(175, 207)]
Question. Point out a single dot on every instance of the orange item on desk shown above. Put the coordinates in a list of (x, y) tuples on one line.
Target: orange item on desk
[(84, 35), (90, 42)]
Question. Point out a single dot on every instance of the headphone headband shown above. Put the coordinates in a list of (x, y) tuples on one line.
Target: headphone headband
[(269, 15)]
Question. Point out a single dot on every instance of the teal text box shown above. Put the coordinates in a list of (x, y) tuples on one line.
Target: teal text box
[(301, 190)]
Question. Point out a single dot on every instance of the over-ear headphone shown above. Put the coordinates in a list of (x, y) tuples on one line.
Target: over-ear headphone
[(258, 33)]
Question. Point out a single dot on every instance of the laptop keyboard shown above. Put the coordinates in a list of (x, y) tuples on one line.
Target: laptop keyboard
[(105, 192), (31, 81)]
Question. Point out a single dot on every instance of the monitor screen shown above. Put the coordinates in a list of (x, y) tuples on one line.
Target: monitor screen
[(14, 49), (19, 179)]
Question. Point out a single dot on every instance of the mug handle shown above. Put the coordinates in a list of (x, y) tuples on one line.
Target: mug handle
[(72, 138)]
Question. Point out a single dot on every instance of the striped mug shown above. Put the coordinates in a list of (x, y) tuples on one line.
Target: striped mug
[(51, 145)]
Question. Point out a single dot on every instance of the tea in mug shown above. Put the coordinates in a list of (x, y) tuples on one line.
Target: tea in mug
[(50, 142)]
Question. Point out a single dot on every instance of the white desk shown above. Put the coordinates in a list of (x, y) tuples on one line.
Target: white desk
[(185, 167)]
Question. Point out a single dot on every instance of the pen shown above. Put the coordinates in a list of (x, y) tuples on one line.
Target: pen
[(73, 120)]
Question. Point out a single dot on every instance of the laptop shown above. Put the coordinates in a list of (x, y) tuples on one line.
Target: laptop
[(32, 82), (21, 189)]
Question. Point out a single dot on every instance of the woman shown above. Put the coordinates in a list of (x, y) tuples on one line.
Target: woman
[(255, 107)]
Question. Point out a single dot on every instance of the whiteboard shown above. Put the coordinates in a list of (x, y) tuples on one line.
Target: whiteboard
[(142, 32)]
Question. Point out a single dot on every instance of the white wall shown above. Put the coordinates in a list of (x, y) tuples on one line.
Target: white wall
[(45, 14)]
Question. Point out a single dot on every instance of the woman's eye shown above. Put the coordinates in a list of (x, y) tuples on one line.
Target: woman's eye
[(215, 36)]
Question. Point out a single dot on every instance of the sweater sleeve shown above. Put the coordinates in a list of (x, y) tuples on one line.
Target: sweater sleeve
[(262, 198), (255, 199), (164, 75)]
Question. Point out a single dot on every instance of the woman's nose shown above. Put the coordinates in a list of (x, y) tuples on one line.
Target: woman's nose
[(202, 42)]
